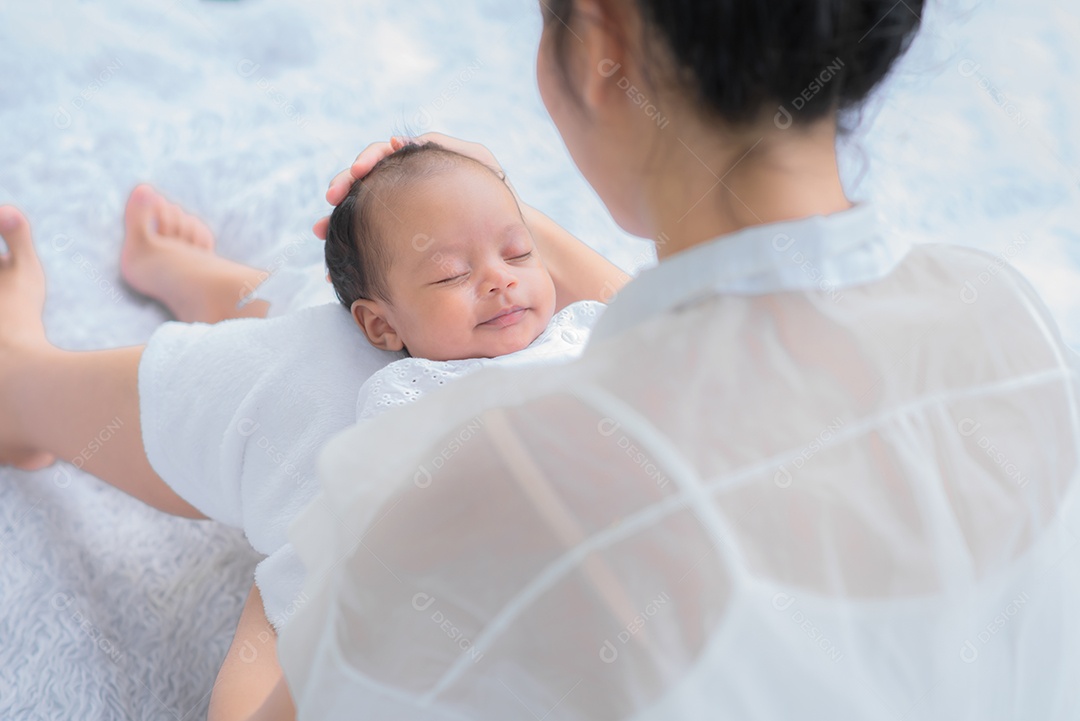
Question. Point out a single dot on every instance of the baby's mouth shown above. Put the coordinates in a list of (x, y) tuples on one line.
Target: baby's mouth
[(507, 317)]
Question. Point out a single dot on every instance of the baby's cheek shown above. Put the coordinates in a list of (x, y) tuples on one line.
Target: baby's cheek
[(547, 304), (461, 335)]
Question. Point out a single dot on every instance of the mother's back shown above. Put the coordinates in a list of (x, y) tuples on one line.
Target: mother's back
[(847, 500)]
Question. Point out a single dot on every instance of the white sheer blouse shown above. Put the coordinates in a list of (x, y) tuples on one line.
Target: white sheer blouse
[(802, 471)]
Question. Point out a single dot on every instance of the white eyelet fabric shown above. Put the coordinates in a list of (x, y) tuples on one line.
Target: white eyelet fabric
[(407, 380)]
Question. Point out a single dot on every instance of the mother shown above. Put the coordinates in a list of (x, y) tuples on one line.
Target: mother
[(803, 468)]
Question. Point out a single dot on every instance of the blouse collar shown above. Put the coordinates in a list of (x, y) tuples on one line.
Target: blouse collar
[(823, 253)]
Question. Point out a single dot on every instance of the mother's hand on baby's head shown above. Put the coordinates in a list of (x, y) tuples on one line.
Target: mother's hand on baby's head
[(372, 154), (343, 181)]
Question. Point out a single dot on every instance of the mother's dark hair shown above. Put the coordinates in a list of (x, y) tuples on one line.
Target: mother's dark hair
[(742, 58)]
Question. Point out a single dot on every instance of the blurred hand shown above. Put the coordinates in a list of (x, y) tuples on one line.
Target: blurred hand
[(372, 154)]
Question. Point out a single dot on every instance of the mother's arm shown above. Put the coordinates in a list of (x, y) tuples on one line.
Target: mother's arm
[(250, 685), (579, 272)]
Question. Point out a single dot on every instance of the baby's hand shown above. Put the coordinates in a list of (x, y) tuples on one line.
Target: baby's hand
[(372, 154)]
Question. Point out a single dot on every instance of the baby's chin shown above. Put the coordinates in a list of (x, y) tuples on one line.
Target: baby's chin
[(505, 346), (522, 337), (502, 342)]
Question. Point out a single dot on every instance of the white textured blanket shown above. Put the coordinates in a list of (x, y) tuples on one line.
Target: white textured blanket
[(243, 110)]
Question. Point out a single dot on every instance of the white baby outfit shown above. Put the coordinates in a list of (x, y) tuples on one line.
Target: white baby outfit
[(233, 414)]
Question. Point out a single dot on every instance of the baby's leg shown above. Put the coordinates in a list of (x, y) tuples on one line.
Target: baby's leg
[(56, 403), (169, 256)]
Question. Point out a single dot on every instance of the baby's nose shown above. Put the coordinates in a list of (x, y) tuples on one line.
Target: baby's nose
[(501, 278)]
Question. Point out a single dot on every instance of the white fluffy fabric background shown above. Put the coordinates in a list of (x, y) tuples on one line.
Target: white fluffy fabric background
[(242, 110)]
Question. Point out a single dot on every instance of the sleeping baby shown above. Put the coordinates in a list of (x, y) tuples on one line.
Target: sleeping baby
[(471, 289)]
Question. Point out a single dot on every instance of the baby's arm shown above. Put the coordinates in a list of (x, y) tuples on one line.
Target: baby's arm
[(579, 272)]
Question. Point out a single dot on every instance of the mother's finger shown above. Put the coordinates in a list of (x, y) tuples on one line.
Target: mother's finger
[(322, 225), (339, 187), (365, 161), (372, 154)]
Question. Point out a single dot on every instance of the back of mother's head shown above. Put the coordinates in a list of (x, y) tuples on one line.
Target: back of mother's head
[(740, 59), (633, 83)]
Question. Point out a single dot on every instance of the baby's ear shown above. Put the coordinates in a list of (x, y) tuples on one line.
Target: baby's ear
[(371, 316)]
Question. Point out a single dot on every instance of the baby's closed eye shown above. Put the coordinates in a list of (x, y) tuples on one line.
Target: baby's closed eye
[(451, 279)]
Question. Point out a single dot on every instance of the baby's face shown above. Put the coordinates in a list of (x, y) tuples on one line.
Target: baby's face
[(466, 279)]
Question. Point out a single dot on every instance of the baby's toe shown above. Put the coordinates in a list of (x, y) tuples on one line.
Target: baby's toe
[(140, 213), (33, 461), (170, 219), (15, 231), (142, 195), (150, 215), (201, 235)]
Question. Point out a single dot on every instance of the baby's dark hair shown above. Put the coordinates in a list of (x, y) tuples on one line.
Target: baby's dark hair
[(357, 257), (741, 58)]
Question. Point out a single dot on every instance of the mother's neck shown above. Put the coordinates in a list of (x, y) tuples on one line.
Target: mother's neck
[(707, 185)]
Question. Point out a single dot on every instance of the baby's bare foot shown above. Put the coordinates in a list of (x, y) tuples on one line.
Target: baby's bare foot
[(155, 231), (22, 299)]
